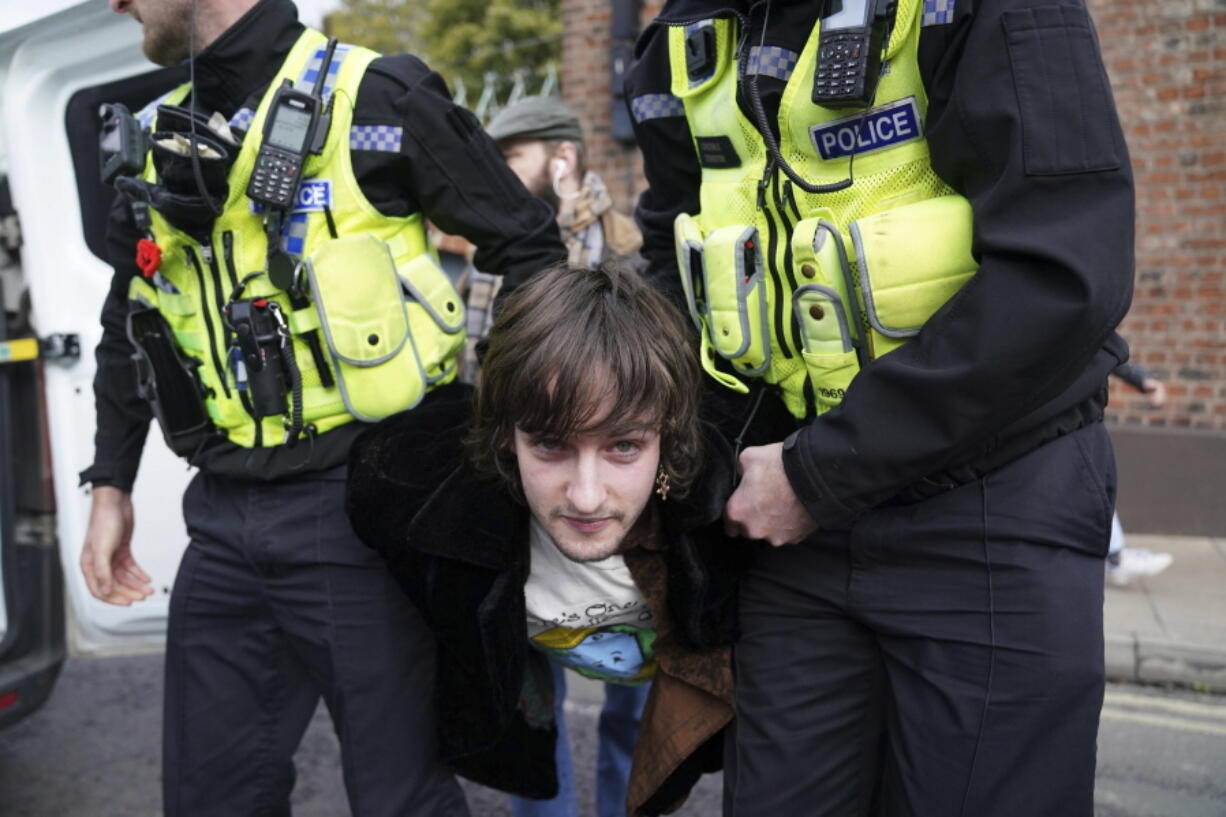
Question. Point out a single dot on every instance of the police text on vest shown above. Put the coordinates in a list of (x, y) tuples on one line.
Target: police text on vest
[(871, 130)]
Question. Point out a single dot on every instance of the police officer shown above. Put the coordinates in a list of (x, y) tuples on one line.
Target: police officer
[(910, 225), (283, 328)]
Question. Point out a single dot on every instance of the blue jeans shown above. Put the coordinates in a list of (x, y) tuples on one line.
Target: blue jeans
[(619, 726)]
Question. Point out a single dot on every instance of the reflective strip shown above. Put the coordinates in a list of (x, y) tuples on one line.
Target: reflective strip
[(656, 106), (242, 119), (384, 138), (937, 12), (772, 61), (15, 351), (309, 74)]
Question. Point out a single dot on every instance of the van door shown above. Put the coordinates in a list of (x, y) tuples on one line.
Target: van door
[(31, 588), (53, 73)]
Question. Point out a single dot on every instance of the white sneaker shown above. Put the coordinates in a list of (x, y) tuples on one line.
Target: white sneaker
[(1137, 562)]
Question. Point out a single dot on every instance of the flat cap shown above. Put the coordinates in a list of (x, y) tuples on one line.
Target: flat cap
[(536, 117)]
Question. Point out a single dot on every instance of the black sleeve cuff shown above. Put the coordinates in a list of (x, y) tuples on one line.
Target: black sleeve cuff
[(810, 488)]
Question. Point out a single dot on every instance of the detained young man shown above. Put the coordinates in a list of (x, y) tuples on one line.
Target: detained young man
[(573, 515)]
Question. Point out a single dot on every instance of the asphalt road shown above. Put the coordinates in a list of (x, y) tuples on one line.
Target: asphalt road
[(93, 752)]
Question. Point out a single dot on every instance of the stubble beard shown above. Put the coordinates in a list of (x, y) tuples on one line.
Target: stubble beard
[(573, 547), (168, 37), (542, 188)]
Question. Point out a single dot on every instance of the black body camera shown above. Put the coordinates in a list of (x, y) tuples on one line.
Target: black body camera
[(122, 143), (853, 37)]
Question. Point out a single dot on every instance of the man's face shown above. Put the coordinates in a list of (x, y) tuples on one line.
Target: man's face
[(529, 160), (166, 24), (589, 489)]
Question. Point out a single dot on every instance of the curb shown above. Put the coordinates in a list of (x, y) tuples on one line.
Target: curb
[(1151, 660)]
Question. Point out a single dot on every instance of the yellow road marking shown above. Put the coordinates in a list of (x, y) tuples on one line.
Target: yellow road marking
[(1164, 722), (1178, 707)]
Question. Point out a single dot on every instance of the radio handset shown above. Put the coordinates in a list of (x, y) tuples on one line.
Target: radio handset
[(289, 135), (852, 41), (296, 127)]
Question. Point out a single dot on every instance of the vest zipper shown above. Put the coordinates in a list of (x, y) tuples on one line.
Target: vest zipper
[(772, 242), (787, 259), (208, 319), (227, 246), (219, 296)]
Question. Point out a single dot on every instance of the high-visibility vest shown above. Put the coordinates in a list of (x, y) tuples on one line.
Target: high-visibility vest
[(785, 285), (386, 316)]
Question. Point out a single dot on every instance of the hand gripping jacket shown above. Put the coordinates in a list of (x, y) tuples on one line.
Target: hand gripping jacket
[(391, 324), (803, 289)]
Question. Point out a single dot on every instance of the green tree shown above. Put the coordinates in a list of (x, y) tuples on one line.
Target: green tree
[(461, 39)]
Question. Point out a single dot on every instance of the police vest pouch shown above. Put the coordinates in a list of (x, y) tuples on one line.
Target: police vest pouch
[(688, 237), (735, 285), (168, 381), (357, 293), (819, 257), (912, 259), (429, 297), (828, 350)]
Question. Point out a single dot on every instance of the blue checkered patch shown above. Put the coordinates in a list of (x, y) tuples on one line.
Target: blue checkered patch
[(293, 234), (656, 106), (772, 61), (937, 12), (386, 138), (311, 73), (242, 119)]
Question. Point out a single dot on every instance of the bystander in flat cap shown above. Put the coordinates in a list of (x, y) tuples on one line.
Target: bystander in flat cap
[(536, 117)]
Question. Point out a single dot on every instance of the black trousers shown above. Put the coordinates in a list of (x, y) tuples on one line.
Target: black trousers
[(277, 603), (941, 659)]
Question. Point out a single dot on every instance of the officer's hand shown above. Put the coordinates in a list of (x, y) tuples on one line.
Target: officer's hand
[(1156, 390), (106, 557), (764, 506)]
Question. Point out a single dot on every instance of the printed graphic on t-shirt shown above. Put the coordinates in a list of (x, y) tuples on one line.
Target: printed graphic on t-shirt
[(620, 652), (588, 616)]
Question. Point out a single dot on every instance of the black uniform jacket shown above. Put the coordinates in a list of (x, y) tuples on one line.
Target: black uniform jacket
[(1021, 122), (457, 542), (447, 168)]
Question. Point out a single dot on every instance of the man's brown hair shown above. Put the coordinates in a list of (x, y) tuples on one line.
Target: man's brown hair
[(568, 341)]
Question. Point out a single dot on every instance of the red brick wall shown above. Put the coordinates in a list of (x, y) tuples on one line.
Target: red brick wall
[(1167, 63), (585, 87)]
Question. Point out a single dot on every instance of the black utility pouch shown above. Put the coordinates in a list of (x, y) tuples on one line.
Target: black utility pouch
[(169, 382)]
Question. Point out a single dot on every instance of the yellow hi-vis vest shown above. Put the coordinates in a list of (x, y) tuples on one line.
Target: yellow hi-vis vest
[(783, 284), (389, 320)]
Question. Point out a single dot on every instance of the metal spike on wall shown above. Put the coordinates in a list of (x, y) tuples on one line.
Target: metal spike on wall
[(487, 105), (549, 87)]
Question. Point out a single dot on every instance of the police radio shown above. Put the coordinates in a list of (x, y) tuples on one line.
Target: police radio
[(296, 126), (853, 36), (293, 120)]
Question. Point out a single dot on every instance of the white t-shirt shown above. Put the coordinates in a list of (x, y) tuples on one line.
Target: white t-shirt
[(588, 616)]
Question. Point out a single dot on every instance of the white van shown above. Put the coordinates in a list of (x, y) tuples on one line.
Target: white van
[(59, 61)]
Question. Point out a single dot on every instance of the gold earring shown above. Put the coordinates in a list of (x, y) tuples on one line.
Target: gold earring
[(663, 485)]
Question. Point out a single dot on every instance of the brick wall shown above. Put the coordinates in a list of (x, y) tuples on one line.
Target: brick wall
[(1167, 63), (585, 84)]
